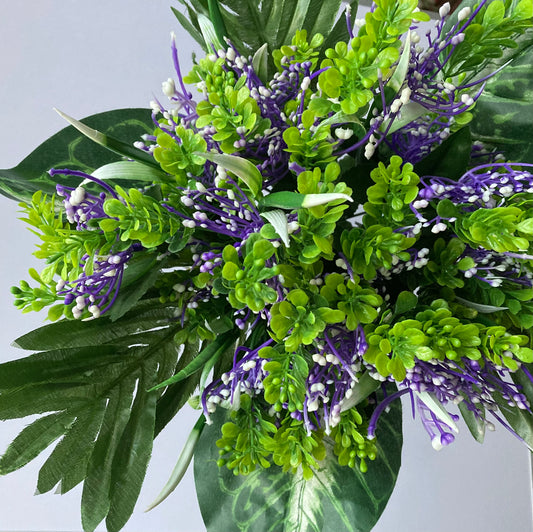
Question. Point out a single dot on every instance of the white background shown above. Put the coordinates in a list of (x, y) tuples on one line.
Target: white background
[(87, 57)]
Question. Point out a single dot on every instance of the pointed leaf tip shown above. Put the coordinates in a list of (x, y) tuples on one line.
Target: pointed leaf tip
[(182, 464)]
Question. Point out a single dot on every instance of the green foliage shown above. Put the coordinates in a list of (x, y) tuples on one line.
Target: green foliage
[(351, 445), (63, 246), (504, 349), (243, 282), (502, 229), (495, 27), (446, 263), (91, 385), (139, 217), (354, 67), (294, 447), (70, 148), (309, 144), (34, 299), (503, 116), (297, 321), (367, 250), (250, 25), (328, 501), (300, 50), (233, 113), (246, 440), (189, 308), (285, 382), (359, 304), (396, 186), (178, 158), (435, 334), (317, 224), (392, 350)]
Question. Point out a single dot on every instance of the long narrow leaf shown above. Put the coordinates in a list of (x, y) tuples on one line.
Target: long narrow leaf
[(96, 489), (135, 449), (182, 464), (70, 149), (242, 168), (213, 350), (69, 452), (107, 141), (33, 440)]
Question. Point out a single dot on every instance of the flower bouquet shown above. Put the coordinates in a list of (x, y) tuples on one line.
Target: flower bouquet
[(326, 214)]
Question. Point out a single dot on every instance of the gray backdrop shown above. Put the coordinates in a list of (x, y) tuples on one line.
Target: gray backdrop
[(87, 57)]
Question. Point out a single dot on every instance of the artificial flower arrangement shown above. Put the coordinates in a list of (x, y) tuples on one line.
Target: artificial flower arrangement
[(327, 214)]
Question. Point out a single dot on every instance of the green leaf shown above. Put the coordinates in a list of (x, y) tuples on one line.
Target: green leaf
[(192, 29), (260, 63), (209, 33), (74, 333), (475, 424), (182, 465), (33, 440), (278, 219), (212, 350), (450, 159), (503, 115), (295, 200), (336, 498), (70, 149), (521, 421), (115, 145), (131, 171), (139, 276), (482, 309), (397, 79), (405, 302), (242, 168), (95, 381), (216, 18), (251, 24)]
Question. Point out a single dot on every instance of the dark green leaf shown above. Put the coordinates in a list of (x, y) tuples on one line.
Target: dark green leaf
[(521, 421), (183, 463), (450, 159), (406, 301), (135, 449), (139, 276), (147, 315), (212, 350), (121, 148), (33, 440), (103, 408), (70, 149), (216, 19), (176, 395), (503, 116), (475, 424), (191, 24), (336, 498), (69, 452), (244, 169), (251, 24)]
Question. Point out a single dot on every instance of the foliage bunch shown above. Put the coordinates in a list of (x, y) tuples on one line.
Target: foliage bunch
[(318, 235)]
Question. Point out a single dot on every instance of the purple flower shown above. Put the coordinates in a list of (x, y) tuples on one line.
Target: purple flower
[(440, 100), (485, 186), (97, 291), (98, 286), (227, 211), (246, 376)]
